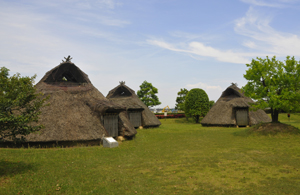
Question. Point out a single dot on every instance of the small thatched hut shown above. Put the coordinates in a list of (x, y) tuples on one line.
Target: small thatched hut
[(139, 113), (77, 111), (232, 109)]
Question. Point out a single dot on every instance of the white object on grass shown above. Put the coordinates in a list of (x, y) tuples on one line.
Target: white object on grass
[(109, 142)]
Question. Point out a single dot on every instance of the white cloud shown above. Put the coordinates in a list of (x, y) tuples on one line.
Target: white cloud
[(263, 37), (203, 86), (250, 44), (34, 43), (223, 56), (112, 22), (260, 39), (212, 91), (201, 49), (109, 3), (272, 3), (78, 4), (188, 36), (87, 12), (95, 19), (164, 45)]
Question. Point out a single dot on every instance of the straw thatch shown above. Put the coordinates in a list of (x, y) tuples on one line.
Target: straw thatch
[(126, 97), (223, 113), (125, 125), (76, 108)]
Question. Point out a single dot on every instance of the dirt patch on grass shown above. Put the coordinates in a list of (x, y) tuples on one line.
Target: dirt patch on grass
[(273, 128)]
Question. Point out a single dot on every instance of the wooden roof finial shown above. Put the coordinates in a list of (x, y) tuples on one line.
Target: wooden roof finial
[(122, 82), (234, 84), (68, 59)]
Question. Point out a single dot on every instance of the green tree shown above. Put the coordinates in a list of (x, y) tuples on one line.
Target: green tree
[(147, 94), (19, 106), (196, 103), (211, 103), (274, 84), (181, 99)]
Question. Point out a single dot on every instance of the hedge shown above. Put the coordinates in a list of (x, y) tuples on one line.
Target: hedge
[(161, 116)]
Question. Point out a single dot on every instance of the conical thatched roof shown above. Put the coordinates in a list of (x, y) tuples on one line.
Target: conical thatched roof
[(223, 113), (76, 107), (126, 97)]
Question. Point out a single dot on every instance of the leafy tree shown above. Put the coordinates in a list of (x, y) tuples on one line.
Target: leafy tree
[(211, 103), (147, 94), (196, 103), (19, 106), (274, 84), (181, 99)]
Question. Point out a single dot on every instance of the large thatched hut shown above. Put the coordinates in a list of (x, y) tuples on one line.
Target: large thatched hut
[(139, 114), (233, 109), (77, 111)]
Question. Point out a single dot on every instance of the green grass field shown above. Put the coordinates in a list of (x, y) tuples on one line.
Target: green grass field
[(178, 158)]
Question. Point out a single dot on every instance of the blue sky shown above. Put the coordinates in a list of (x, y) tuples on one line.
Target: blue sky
[(171, 43)]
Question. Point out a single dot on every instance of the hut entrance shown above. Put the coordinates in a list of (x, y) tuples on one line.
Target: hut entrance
[(242, 117), (135, 118), (110, 123)]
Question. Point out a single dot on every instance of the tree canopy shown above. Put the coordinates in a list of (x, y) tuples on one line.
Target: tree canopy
[(211, 103), (147, 94), (181, 99), (19, 106), (196, 103), (274, 84)]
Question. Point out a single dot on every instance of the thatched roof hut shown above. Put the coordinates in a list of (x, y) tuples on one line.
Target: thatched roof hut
[(232, 109), (139, 113), (77, 111)]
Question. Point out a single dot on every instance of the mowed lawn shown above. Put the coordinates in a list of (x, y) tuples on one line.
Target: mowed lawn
[(176, 158)]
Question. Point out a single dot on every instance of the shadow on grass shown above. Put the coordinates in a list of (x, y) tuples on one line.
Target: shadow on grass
[(189, 120), (267, 129), (242, 133), (283, 185), (291, 122), (8, 168), (183, 121), (51, 144)]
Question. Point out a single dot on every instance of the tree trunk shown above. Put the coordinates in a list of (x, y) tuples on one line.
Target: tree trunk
[(274, 115), (197, 118)]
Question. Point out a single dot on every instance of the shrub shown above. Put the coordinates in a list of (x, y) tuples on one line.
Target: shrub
[(196, 103)]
